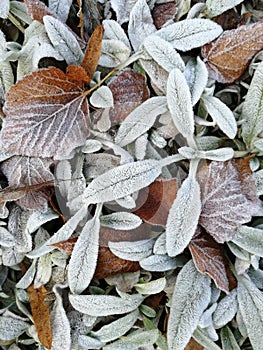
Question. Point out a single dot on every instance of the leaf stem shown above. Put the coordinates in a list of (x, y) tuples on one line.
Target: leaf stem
[(171, 159), (16, 22)]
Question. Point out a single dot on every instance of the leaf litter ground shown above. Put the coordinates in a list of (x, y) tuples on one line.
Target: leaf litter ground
[(131, 137)]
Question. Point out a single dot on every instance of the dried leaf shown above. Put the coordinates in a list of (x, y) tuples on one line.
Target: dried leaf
[(37, 10), (228, 56), (209, 258), (46, 114), (162, 13), (40, 314), (92, 53), (154, 202), (193, 345), (228, 197), (231, 19)]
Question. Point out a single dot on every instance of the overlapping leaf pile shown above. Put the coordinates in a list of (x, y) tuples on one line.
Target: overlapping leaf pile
[(132, 217)]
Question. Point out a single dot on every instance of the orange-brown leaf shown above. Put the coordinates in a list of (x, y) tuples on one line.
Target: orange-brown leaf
[(40, 314), (228, 56), (193, 345), (66, 246), (155, 201), (209, 258), (46, 114), (92, 53)]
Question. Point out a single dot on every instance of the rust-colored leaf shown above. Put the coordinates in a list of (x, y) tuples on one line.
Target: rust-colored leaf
[(228, 56), (37, 10), (29, 179), (109, 264), (155, 201), (66, 246), (209, 258), (92, 53), (40, 314), (193, 345), (162, 13), (129, 90), (230, 19), (46, 114), (229, 197)]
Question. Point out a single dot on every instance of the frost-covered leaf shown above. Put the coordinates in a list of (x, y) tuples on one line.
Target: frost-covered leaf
[(228, 197), (28, 277), (61, 338), (63, 40), (105, 305), (117, 328), (102, 97), (221, 154), (216, 7), (250, 302), (152, 287), (179, 102), (113, 53), (202, 338), (226, 310), (11, 327), (42, 103), (36, 9), (143, 338), (183, 217), (221, 114), (228, 56), (190, 33), (122, 9), (60, 8), (4, 11), (40, 314), (252, 110), (121, 221), (30, 178), (228, 340), (44, 270), (209, 258), (159, 262), (87, 342), (141, 120), (163, 12), (6, 73), (191, 297), (37, 219), (84, 257), (250, 239), (113, 30), (122, 181), (140, 23), (196, 76), (163, 53), (133, 251), (6, 239)]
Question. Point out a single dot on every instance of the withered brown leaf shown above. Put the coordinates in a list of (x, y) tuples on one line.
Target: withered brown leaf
[(209, 258), (228, 195), (228, 56), (193, 345), (47, 114), (37, 10), (29, 179), (154, 202), (162, 13), (92, 53), (40, 314)]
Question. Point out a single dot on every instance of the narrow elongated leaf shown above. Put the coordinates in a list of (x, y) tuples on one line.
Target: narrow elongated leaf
[(228, 56), (215, 8), (47, 114), (222, 115), (140, 23), (11, 327), (140, 120), (87, 342), (190, 33), (221, 154), (196, 76), (179, 102), (228, 340), (60, 8), (133, 251), (122, 181), (250, 301), (226, 310), (191, 296), (159, 262), (117, 328), (152, 287), (163, 53), (183, 217), (84, 257), (250, 239), (63, 40), (113, 30), (28, 277), (202, 338), (252, 111), (105, 305), (121, 221)]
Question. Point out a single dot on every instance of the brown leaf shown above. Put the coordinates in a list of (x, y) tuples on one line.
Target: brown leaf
[(66, 246), (162, 13), (230, 19), (46, 114), (228, 56), (29, 179), (154, 202), (37, 10), (193, 345), (40, 314), (129, 90), (92, 53), (209, 258), (229, 197)]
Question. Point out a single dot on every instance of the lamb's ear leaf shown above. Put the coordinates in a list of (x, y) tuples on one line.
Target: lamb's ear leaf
[(215, 8)]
